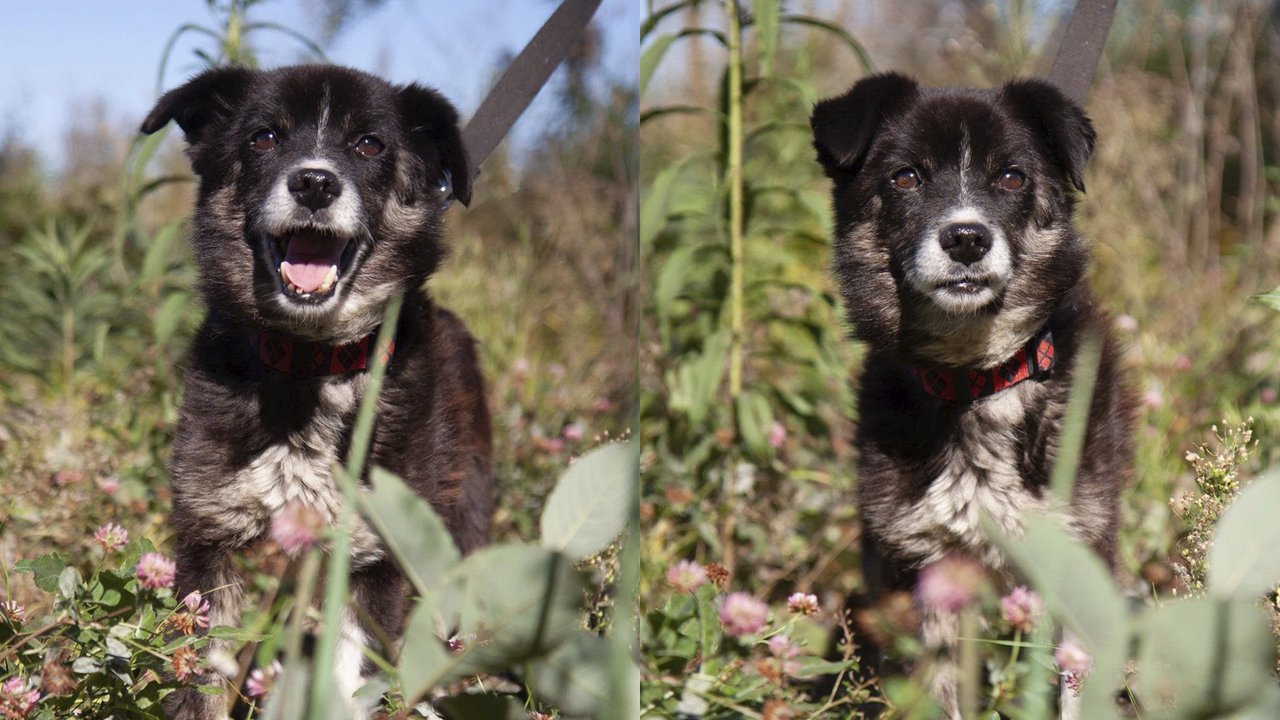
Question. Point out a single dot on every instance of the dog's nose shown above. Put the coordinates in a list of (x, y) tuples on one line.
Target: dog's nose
[(966, 242), (314, 188)]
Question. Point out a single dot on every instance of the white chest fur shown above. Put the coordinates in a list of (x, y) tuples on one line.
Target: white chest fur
[(981, 474), (299, 469)]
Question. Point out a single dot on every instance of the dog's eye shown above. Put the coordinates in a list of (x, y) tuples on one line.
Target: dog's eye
[(369, 146), (906, 179), (264, 140), (1011, 180)]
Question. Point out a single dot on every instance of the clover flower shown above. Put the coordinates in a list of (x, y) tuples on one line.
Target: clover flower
[(111, 537), (1022, 608), (155, 571), (742, 614), (686, 576), (296, 527), (950, 583), (803, 603)]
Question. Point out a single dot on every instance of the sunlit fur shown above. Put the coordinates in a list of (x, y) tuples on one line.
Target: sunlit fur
[(252, 440), (929, 469)]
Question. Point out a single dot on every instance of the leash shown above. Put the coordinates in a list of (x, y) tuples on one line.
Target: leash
[(524, 78), (1081, 47)]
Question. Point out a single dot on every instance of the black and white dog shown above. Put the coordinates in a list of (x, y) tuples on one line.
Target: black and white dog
[(960, 268), (322, 195)]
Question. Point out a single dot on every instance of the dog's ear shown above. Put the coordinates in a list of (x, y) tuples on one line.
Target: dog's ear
[(843, 126), (1054, 117), (208, 97), (432, 123)]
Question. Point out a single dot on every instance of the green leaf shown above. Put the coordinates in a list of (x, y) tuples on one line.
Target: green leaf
[(1271, 299), (509, 603), (1203, 657), (169, 315), (591, 502), (68, 583), (520, 601), (653, 208), (45, 570), (423, 657), (575, 678), (1243, 562), (412, 530), (811, 666), (766, 13), (754, 418), (698, 377), (651, 57)]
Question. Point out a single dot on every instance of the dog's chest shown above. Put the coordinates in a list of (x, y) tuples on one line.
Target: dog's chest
[(299, 468), (981, 473)]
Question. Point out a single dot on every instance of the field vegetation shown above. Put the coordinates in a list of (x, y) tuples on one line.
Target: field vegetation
[(99, 307), (751, 542)]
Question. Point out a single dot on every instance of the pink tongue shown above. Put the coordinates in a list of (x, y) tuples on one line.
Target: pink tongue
[(307, 259)]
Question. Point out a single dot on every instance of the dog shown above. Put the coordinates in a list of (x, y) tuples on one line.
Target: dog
[(961, 271), (322, 193)]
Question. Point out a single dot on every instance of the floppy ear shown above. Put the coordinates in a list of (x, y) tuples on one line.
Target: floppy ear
[(1058, 120), (210, 96), (843, 126), (432, 123)]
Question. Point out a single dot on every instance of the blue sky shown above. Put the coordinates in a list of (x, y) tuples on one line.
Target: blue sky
[(58, 55)]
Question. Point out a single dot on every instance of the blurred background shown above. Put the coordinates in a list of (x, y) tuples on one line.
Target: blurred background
[(1182, 209), (96, 287)]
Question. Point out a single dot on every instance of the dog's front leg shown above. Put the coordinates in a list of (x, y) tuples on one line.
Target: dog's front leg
[(374, 617), (940, 631), (207, 568)]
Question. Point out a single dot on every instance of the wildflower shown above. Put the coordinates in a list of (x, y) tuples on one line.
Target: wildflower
[(185, 662), (1022, 608), (718, 574), (535, 715), (777, 434), (573, 432), (195, 616), (950, 583), (742, 614), (13, 611), (17, 698), (261, 680), (686, 576), (781, 647), (1074, 661), (109, 484), (111, 537), (296, 527), (56, 678), (1126, 323), (803, 603), (454, 644), (155, 571)]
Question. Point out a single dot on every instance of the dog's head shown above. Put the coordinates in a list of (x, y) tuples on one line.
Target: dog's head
[(953, 213), (322, 192)]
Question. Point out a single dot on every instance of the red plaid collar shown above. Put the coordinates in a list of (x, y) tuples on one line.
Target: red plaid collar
[(308, 359), (1033, 360)]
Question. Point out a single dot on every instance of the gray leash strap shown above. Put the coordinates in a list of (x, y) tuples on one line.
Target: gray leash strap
[(524, 78), (1081, 47)]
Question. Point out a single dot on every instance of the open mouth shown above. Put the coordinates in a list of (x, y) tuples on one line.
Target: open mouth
[(311, 262)]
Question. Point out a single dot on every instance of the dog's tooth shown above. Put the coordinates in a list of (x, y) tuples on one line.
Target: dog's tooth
[(330, 278)]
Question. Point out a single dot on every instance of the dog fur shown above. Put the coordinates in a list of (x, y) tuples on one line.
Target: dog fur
[(928, 468), (319, 157)]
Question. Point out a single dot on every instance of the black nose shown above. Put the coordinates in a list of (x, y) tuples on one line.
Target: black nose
[(314, 188), (966, 242)]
